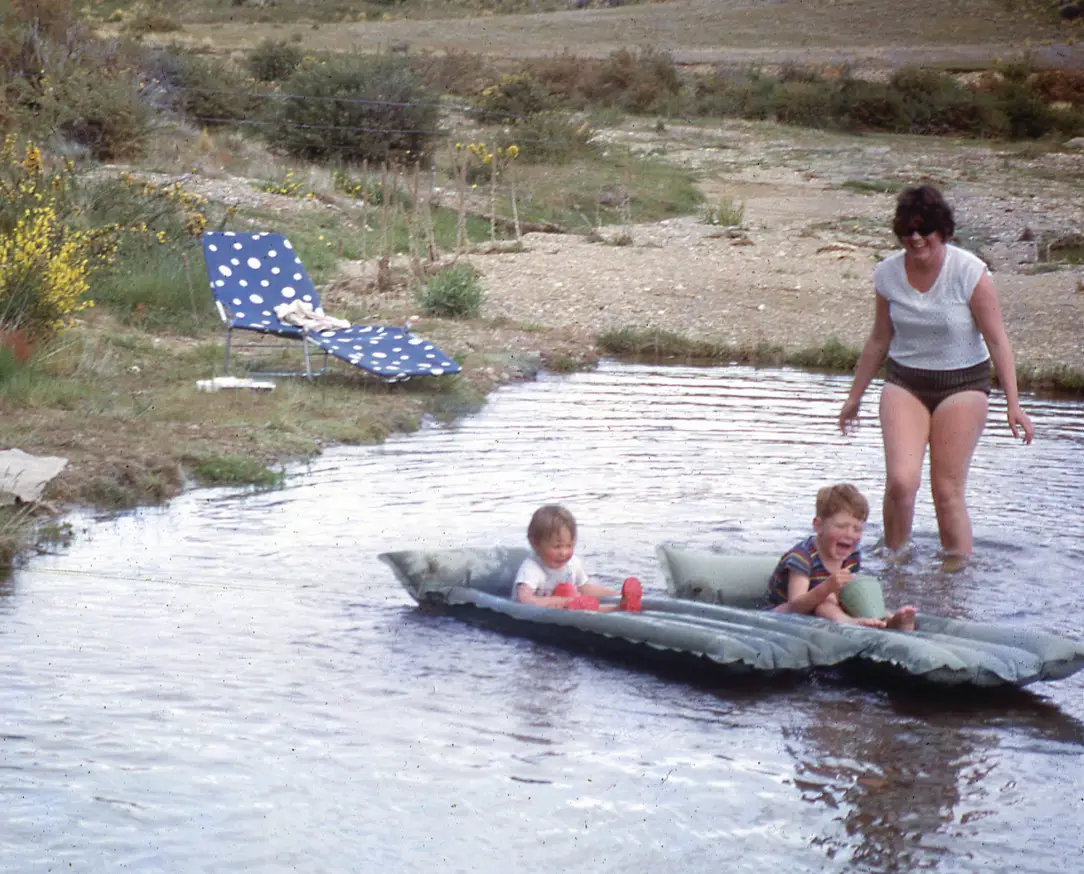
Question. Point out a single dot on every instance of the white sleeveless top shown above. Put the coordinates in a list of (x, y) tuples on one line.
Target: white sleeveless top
[(934, 330)]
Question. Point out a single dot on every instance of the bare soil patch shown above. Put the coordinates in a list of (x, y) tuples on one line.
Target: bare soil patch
[(798, 270), (862, 32)]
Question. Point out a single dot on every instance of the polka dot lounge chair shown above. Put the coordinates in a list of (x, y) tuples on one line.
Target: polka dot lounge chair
[(252, 274)]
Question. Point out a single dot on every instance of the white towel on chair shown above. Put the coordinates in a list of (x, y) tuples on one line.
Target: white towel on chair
[(301, 314)]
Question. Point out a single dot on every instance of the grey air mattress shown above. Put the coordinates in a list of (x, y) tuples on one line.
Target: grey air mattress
[(951, 651), (713, 619)]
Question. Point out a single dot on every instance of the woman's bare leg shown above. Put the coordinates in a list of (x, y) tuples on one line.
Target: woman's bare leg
[(955, 429), (905, 429)]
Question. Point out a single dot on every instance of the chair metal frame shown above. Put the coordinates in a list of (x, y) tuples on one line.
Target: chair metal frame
[(286, 333)]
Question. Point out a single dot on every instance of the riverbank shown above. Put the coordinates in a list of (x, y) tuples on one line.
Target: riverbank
[(808, 219)]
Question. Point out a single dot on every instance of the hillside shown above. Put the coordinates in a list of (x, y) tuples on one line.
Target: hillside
[(863, 32)]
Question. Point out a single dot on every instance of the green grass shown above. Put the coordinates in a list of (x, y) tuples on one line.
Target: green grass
[(235, 470), (16, 531), (591, 193), (158, 288), (727, 212), (321, 239), (658, 345), (872, 186), (454, 293), (1058, 379)]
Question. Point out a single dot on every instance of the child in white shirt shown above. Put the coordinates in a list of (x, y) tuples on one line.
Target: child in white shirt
[(553, 576)]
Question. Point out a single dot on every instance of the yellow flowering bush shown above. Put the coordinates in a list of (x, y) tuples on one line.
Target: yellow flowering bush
[(45, 261), (288, 186), (43, 273), (491, 161), (155, 213)]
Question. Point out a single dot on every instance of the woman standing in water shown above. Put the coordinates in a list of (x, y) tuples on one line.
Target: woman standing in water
[(938, 321)]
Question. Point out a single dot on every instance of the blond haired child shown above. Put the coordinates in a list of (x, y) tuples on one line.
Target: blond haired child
[(810, 574), (554, 576)]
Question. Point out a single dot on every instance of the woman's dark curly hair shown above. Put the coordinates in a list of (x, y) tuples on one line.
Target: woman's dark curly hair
[(923, 209)]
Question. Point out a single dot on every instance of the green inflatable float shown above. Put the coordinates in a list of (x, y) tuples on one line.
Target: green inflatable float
[(715, 620)]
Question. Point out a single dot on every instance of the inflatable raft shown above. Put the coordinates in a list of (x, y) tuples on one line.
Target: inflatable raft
[(948, 651), (476, 585), (714, 622)]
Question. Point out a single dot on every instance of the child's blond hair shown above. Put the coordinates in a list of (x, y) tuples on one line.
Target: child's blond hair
[(842, 497), (548, 521)]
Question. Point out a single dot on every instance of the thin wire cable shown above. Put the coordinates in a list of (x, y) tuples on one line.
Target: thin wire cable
[(317, 98)]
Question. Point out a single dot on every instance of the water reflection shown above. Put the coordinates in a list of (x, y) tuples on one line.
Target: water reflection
[(235, 683)]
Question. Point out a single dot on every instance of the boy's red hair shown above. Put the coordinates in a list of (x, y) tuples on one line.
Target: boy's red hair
[(842, 497)]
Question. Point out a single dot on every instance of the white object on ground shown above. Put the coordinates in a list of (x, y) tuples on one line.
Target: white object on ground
[(23, 477), (221, 382)]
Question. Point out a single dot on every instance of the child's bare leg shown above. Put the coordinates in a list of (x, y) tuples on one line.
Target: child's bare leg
[(902, 620)]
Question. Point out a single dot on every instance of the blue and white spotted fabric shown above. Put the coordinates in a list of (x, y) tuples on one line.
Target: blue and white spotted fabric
[(251, 274), (387, 351)]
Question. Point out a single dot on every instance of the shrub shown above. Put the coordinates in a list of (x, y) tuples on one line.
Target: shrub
[(273, 60), (933, 101), (286, 185), (369, 188), (152, 285), (862, 105), (638, 83), (514, 97), (549, 138), (207, 90), (354, 108), (803, 102), (1060, 85), (453, 293), (69, 85), (45, 262), (727, 212), (453, 71), (567, 77), (100, 110), (1028, 116), (725, 94)]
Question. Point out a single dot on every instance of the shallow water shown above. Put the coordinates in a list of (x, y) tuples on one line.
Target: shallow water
[(234, 683)]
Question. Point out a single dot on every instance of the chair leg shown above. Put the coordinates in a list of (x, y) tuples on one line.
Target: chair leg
[(308, 364), (226, 364)]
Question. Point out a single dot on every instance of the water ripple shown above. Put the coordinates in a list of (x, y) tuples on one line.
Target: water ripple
[(235, 683)]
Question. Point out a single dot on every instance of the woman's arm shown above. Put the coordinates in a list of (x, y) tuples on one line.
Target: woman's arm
[(873, 354), (987, 313)]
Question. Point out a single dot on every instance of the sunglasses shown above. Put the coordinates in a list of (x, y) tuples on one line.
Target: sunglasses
[(923, 226)]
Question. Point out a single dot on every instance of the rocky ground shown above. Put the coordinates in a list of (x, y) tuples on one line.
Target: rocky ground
[(797, 270)]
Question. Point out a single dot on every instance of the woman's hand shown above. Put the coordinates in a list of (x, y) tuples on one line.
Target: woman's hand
[(848, 416), (1018, 419)]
